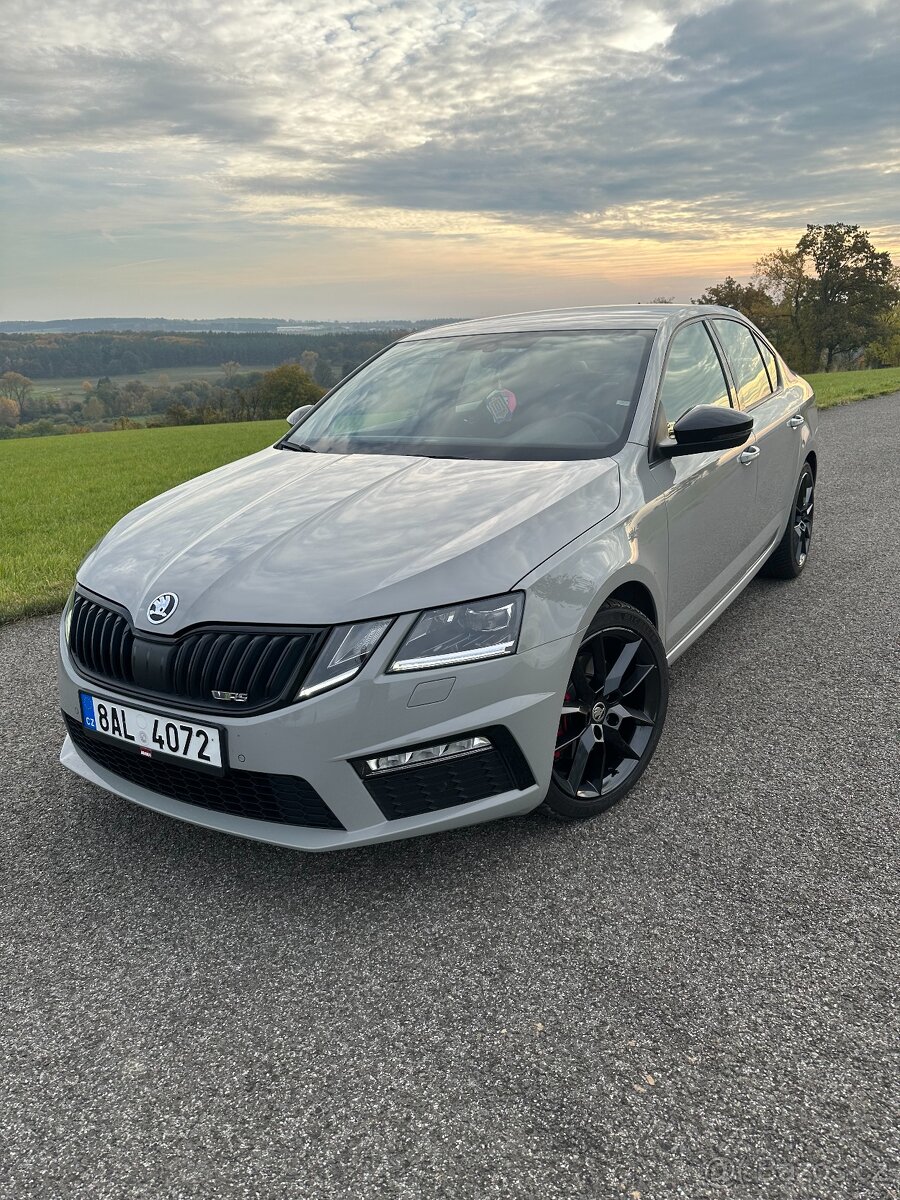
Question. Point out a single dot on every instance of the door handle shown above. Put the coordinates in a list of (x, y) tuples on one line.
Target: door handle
[(746, 457), (795, 422)]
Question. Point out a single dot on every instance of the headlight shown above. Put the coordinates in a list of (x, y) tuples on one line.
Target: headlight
[(445, 637), (348, 649)]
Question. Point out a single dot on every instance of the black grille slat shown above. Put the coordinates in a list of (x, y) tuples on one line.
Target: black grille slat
[(283, 799), (213, 645), (436, 785), (90, 646), (280, 673), (245, 665), (101, 639), (232, 656), (107, 625), (268, 667), (79, 624), (260, 671)]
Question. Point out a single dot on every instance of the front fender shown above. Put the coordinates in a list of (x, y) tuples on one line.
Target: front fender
[(565, 592)]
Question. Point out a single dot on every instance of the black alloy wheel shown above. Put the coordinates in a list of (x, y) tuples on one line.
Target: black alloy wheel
[(612, 713), (801, 527), (791, 554)]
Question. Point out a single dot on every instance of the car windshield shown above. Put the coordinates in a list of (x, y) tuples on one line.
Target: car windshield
[(542, 395)]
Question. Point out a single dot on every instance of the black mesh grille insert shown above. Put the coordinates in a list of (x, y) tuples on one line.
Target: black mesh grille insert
[(284, 799), (410, 791), (267, 666)]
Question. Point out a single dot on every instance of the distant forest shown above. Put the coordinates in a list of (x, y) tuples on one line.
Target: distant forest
[(124, 384), (213, 325), (94, 355)]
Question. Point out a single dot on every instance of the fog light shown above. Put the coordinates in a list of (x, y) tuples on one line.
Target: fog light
[(411, 758)]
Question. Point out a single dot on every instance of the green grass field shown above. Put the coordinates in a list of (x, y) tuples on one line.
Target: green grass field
[(840, 387), (61, 494)]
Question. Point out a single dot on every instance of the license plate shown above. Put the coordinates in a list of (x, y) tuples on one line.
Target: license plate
[(151, 734)]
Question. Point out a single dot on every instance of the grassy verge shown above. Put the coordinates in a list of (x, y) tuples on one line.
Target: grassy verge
[(60, 494), (840, 387)]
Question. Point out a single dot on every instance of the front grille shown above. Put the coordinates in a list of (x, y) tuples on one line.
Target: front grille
[(284, 799), (265, 665), (411, 791), (101, 640)]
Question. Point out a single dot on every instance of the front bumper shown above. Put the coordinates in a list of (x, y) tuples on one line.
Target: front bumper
[(376, 713)]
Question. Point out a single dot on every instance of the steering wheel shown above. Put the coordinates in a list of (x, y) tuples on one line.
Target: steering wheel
[(602, 428)]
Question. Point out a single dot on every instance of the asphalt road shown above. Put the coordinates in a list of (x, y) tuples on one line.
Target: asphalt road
[(693, 996)]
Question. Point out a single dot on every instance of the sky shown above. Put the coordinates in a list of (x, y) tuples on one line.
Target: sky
[(358, 160)]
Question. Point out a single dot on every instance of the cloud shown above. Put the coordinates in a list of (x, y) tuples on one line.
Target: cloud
[(529, 122), (745, 107)]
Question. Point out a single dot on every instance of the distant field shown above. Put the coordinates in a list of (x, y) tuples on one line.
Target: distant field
[(61, 494), (71, 389), (840, 387)]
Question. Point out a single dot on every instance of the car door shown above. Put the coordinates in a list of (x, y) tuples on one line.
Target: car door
[(776, 421), (710, 497)]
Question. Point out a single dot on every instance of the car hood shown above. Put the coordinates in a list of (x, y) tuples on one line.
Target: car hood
[(287, 538)]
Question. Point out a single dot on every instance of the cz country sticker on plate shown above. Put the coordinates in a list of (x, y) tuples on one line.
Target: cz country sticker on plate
[(151, 733)]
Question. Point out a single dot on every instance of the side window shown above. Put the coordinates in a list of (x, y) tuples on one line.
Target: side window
[(769, 360), (693, 373), (746, 362)]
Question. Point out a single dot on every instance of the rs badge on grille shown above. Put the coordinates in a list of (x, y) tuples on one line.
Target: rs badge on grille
[(234, 697)]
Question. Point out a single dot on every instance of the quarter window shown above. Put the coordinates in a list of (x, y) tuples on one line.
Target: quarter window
[(746, 362), (693, 373), (769, 360)]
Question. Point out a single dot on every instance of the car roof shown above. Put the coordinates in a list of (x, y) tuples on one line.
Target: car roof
[(607, 316)]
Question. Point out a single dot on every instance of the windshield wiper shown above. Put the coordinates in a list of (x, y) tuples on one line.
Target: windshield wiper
[(303, 448)]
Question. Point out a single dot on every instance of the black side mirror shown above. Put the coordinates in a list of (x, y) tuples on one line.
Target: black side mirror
[(707, 427)]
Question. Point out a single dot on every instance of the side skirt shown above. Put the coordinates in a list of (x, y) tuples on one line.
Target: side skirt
[(716, 611)]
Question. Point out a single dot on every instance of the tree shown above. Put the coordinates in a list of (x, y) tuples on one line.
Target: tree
[(93, 409), (178, 414), (884, 349), (750, 299), (280, 391), (9, 412), (781, 275), (131, 364), (230, 369), (18, 388), (851, 286)]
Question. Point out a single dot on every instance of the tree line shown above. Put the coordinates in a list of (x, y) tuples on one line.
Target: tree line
[(833, 301), (239, 396), (40, 355)]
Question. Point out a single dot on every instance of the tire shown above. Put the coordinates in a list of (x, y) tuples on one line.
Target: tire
[(613, 713), (791, 554)]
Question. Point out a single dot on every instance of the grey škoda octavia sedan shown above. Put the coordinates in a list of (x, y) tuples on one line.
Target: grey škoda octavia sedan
[(452, 591)]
